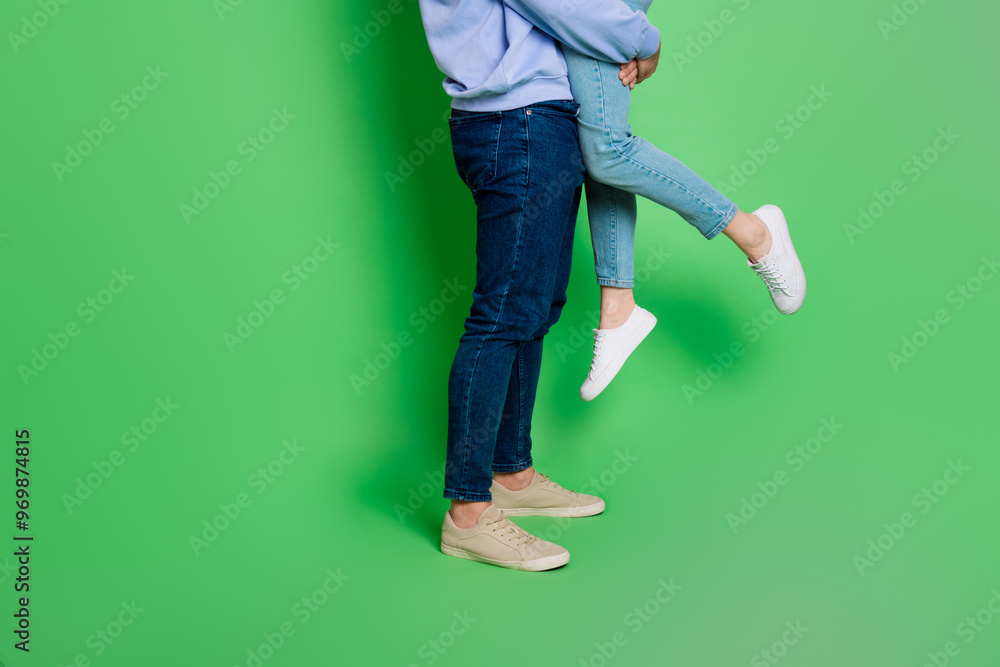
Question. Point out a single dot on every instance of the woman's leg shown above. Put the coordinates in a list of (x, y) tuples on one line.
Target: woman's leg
[(620, 164), (612, 216)]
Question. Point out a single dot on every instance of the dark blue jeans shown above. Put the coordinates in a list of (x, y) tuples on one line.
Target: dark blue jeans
[(524, 169)]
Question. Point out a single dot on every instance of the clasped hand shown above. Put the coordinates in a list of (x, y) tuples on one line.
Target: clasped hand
[(636, 71)]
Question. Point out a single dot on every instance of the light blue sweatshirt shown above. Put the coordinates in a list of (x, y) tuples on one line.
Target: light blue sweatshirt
[(504, 54)]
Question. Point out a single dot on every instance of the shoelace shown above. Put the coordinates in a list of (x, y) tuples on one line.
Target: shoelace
[(548, 482), (771, 275), (598, 339), (511, 533)]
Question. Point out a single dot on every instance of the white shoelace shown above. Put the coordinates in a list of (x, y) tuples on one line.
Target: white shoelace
[(510, 532), (771, 275), (598, 339)]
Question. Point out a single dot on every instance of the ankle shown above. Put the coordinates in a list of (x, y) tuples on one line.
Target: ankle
[(514, 481), (617, 305), (761, 242), (465, 514), (750, 235)]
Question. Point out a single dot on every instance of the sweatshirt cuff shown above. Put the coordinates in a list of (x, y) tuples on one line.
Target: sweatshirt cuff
[(650, 44)]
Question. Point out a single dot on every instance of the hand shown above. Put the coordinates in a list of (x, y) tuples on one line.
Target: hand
[(645, 68), (628, 73), (636, 71)]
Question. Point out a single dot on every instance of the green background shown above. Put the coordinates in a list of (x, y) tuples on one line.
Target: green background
[(368, 454)]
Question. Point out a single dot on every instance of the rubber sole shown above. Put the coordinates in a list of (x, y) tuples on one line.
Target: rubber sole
[(571, 512), (537, 565)]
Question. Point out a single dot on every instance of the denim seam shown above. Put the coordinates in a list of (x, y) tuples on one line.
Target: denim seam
[(482, 342), (614, 204), (520, 410), (512, 467), (613, 282), (725, 222), (468, 497), (691, 194), (614, 146)]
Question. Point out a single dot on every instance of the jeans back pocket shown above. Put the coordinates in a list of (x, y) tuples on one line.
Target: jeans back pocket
[(475, 141)]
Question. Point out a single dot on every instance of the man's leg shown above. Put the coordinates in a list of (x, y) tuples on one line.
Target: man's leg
[(525, 492), (513, 449), (525, 170)]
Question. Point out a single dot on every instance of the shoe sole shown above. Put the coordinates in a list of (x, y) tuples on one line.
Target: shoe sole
[(570, 512), (601, 383), (786, 239), (537, 565)]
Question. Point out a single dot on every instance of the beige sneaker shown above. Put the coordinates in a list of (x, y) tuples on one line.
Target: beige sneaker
[(496, 540), (543, 497)]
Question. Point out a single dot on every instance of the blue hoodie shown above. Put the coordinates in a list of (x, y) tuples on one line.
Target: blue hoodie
[(504, 54)]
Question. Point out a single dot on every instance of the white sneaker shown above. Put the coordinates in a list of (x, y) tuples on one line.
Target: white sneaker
[(780, 268), (611, 349)]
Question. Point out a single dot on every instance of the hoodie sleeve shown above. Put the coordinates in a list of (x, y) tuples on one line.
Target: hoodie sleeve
[(603, 29)]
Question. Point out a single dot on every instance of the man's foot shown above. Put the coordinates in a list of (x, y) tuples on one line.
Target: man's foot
[(543, 497), (780, 268), (612, 347), (496, 540)]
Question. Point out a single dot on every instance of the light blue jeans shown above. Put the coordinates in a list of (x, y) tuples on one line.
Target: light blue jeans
[(621, 165)]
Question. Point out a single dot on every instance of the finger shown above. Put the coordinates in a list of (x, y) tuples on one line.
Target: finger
[(629, 74)]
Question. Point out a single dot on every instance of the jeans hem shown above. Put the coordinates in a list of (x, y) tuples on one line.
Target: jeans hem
[(511, 467), (611, 282), (725, 223), (451, 494)]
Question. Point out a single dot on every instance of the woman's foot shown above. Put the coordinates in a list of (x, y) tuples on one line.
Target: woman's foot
[(780, 268), (763, 237), (612, 346)]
